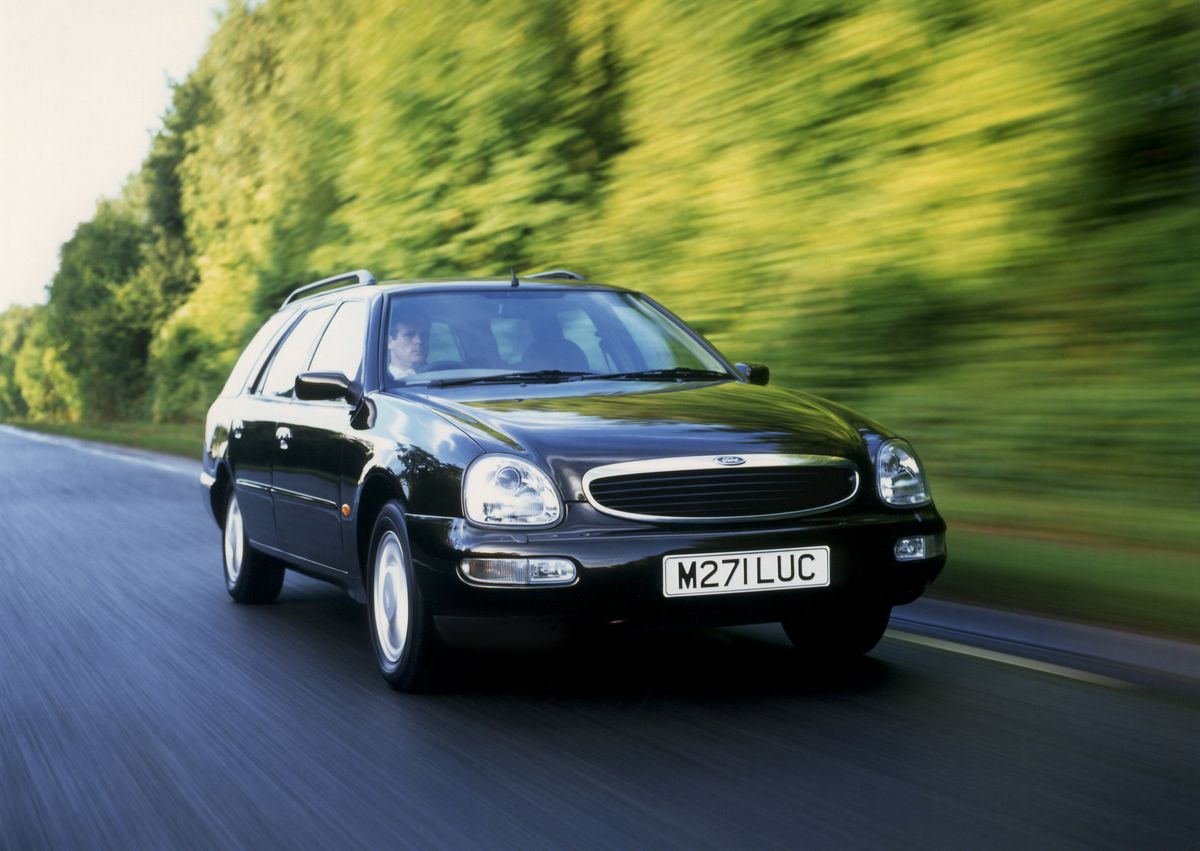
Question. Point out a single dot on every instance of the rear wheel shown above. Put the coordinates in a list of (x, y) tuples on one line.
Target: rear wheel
[(402, 631), (250, 576), (839, 634)]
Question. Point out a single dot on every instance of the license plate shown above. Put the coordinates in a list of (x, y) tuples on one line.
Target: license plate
[(734, 573)]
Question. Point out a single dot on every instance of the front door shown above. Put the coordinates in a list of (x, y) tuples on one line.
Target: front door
[(309, 448), (252, 455)]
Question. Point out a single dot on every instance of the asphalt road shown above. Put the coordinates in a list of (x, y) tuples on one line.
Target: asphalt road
[(141, 708)]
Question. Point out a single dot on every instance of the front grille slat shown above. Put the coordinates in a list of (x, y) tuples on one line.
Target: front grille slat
[(710, 497), (651, 506), (743, 487), (752, 474), (706, 487), (759, 491)]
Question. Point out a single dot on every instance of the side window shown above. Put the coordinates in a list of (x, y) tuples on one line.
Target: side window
[(341, 348), (291, 357), (579, 328), (442, 345), (253, 353), (513, 337)]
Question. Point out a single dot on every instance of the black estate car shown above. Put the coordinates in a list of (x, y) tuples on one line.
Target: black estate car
[(548, 447)]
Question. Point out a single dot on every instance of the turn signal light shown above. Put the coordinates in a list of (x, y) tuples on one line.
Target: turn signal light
[(920, 547)]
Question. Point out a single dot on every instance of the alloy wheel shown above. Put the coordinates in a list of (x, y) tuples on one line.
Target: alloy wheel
[(234, 538), (390, 598)]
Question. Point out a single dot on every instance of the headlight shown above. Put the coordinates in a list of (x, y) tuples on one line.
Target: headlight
[(503, 490), (901, 479)]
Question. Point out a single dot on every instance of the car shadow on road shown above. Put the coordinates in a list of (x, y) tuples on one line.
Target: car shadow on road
[(554, 659), (625, 663)]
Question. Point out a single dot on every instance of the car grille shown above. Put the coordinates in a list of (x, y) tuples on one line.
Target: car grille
[(715, 492)]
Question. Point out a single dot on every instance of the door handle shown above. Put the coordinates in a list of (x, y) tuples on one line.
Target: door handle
[(284, 435)]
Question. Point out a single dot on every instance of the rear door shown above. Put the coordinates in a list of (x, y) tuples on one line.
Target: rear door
[(249, 453)]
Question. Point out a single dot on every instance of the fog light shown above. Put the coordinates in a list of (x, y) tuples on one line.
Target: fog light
[(551, 571), (920, 547), (518, 571)]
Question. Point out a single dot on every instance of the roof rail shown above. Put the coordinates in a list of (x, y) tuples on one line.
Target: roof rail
[(561, 274), (359, 277)]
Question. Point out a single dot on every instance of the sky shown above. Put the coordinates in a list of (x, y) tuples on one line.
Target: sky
[(83, 86)]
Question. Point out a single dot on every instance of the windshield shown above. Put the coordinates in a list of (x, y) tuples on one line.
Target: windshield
[(464, 336)]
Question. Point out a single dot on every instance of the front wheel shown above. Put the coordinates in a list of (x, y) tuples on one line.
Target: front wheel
[(250, 576), (402, 631), (838, 634)]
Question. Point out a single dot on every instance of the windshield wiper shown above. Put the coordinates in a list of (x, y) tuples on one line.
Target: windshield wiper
[(549, 376), (540, 375), (678, 373)]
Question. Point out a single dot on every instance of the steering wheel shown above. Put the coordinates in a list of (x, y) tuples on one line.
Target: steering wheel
[(439, 365)]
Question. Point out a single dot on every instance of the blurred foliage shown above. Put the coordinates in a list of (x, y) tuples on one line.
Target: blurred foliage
[(1127, 587), (15, 323), (95, 311), (977, 221), (48, 388)]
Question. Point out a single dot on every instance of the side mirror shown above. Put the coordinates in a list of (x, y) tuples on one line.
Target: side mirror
[(325, 387), (756, 373)]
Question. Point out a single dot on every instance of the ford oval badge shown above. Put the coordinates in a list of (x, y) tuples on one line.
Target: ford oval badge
[(730, 460)]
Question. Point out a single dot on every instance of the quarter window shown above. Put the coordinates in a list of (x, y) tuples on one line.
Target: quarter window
[(253, 354)]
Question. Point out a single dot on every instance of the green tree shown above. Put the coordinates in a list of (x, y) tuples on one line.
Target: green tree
[(14, 326), (47, 385), (94, 316)]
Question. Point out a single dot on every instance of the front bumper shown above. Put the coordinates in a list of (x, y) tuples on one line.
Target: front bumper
[(619, 567)]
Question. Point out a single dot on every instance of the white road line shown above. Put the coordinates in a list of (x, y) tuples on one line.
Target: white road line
[(1007, 659), (93, 449)]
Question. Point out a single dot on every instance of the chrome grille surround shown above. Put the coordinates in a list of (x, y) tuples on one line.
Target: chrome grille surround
[(709, 463)]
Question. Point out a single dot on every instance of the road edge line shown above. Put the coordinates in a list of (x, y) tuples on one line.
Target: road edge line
[(1009, 659)]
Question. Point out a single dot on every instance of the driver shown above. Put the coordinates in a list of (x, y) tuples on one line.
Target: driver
[(408, 346)]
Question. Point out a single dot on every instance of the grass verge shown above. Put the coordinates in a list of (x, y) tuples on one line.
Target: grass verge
[(1145, 590), (186, 440)]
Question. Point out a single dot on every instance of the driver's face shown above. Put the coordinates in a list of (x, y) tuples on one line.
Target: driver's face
[(408, 345)]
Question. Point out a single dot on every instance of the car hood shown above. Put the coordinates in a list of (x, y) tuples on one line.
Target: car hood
[(571, 427)]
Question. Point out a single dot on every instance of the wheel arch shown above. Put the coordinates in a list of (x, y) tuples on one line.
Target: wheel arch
[(378, 489)]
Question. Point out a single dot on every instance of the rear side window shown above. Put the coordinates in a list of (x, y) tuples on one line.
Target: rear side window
[(580, 329), (293, 354), (512, 337), (442, 345), (253, 354), (341, 348)]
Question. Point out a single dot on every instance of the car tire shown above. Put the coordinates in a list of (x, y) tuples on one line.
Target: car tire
[(250, 576), (403, 634), (839, 634)]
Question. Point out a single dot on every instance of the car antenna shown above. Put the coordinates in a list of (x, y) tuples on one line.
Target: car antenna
[(515, 282)]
